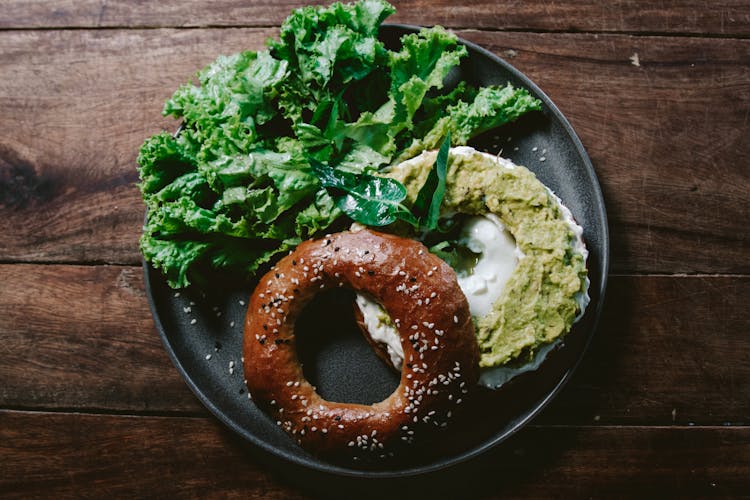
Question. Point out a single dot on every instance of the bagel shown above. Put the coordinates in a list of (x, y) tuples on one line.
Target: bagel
[(528, 283), (422, 296)]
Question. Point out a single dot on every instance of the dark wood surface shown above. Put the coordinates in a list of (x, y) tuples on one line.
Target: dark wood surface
[(91, 405)]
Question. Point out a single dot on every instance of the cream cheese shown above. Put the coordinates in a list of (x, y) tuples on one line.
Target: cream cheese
[(381, 330), (486, 236)]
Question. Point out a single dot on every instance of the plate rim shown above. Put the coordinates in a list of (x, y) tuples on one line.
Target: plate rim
[(445, 463)]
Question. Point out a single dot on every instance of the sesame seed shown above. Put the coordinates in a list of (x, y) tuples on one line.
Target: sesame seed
[(193, 321), (242, 302), (208, 356)]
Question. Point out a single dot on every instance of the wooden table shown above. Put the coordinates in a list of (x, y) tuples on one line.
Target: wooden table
[(659, 92)]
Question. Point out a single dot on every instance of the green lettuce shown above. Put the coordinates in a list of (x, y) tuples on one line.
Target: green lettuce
[(234, 188)]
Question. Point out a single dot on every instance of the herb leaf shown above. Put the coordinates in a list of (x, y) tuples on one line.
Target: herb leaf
[(369, 200), (376, 201), (430, 196)]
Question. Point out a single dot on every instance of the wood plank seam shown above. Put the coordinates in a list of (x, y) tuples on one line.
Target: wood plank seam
[(467, 28)]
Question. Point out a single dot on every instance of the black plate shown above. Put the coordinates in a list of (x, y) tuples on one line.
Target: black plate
[(196, 325)]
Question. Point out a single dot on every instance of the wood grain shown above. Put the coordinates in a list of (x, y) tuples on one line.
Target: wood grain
[(83, 337), (666, 145), (725, 17), (68, 454), (666, 351)]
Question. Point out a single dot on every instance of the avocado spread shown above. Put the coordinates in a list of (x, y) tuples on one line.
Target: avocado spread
[(547, 288)]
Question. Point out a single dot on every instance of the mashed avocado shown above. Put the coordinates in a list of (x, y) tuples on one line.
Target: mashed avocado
[(543, 294)]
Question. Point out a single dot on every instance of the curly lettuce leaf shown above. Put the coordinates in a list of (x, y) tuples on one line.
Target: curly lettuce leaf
[(491, 108)]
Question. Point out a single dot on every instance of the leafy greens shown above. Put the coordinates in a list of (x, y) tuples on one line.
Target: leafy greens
[(266, 135)]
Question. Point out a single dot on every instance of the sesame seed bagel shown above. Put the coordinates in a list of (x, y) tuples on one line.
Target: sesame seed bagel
[(440, 351)]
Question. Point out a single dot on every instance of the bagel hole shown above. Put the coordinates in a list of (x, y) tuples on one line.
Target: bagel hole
[(335, 356)]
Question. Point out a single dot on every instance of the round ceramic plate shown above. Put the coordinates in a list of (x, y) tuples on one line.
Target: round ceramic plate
[(202, 329)]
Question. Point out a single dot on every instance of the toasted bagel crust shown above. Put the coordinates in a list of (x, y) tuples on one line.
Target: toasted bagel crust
[(441, 353)]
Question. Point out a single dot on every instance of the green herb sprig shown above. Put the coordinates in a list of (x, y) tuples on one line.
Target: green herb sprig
[(377, 201)]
